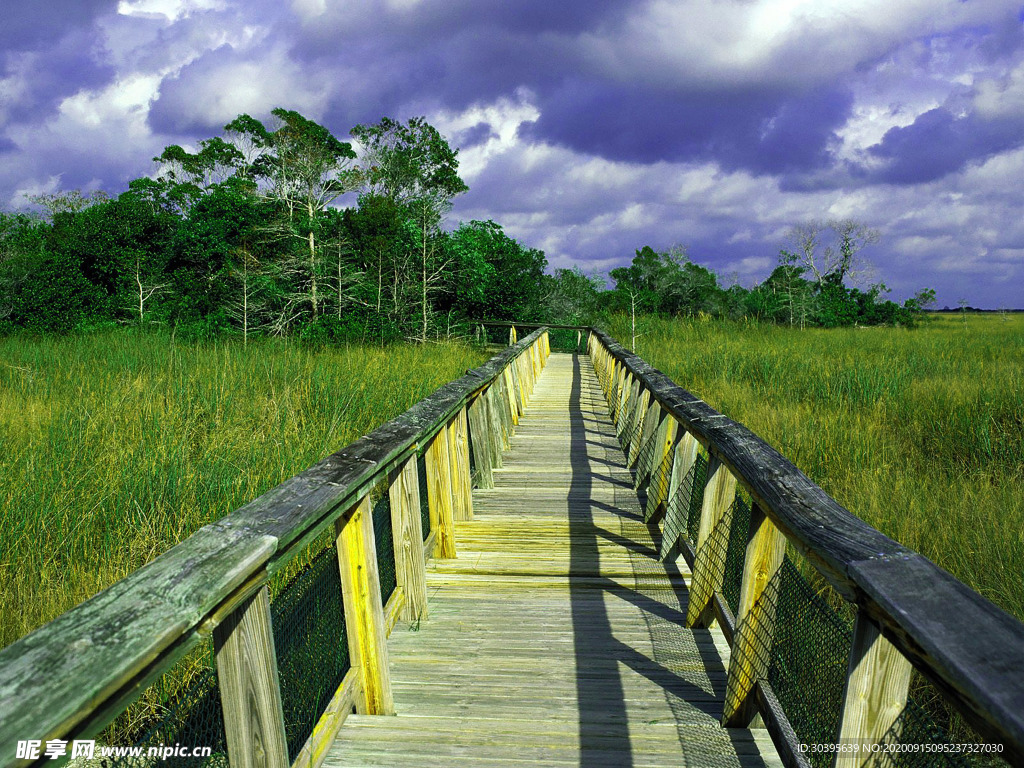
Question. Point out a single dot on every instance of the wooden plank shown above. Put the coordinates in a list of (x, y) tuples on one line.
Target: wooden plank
[(877, 682), (342, 704), (407, 532), (364, 614), (781, 730), (249, 687), (755, 620), (394, 609), (461, 480), (439, 494), (709, 566)]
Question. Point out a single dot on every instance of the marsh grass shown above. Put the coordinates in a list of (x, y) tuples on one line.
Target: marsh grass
[(919, 432), (118, 445)]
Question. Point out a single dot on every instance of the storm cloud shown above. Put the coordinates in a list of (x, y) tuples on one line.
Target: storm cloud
[(588, 129)]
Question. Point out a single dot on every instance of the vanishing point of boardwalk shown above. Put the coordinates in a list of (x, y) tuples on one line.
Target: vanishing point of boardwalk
[(557, 637)]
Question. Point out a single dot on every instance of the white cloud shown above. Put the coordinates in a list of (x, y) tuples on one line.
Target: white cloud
[(1001, 97), (172, 10)]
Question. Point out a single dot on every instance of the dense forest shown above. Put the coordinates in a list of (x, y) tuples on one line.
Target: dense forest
[(246, 236)]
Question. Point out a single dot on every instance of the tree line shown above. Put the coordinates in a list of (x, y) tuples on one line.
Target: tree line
[(808, 287), (245, 236)]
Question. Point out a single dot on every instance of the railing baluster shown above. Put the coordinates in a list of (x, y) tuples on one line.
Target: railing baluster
[(510, 394), (755, 619), (499, 429), (364, 613), (481, 434), (407, 527), (658, 496), (249, 686), (709, 555), (439, 495), (676, 513), (458, 462), (652, 422), (877, 682)]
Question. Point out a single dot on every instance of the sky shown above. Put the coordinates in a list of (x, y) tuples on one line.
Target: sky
[(587, 128)]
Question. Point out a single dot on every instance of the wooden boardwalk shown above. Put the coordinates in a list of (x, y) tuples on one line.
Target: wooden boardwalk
[(556, 637)]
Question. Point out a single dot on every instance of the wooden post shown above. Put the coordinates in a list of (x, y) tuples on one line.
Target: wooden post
[(661, 467), (677, 512), (364, 614), (439, 495), (755, 619), (497, 416), (250, 690), (481, 435), (458, 462), (709, 562), (877, 682), (407, 528), (510, 391)]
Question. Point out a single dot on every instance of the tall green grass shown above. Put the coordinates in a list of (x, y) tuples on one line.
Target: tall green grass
[(116, 446), (919, 432)]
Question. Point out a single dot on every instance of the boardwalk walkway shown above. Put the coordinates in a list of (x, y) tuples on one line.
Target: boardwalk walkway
[(556, 637)]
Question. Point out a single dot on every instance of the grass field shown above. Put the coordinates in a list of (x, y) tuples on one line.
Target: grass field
[(919, 432), (116, 446)]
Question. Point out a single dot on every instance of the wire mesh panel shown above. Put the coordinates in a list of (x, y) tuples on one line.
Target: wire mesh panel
[(421, 469), (631, 433), (645, 456), (700, 476), (384, 537), (182, 707), (660, 478), (915, 726), (809, 656), (735, 553), (312, 649)]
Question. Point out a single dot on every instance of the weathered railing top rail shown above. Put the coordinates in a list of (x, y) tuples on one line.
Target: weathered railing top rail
[(75, 674), (968, 647)]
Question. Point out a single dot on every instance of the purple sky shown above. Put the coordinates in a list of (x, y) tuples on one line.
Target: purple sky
[(588, 129)]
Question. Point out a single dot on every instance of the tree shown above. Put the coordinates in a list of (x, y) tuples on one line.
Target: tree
[(571, 297), (413, 166), (22, 240), (831, 250), (304, 168), (71, 201), (493, 276)]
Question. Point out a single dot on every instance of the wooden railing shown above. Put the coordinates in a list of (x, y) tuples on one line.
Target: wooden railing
[(909, 612), (70, 678)]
